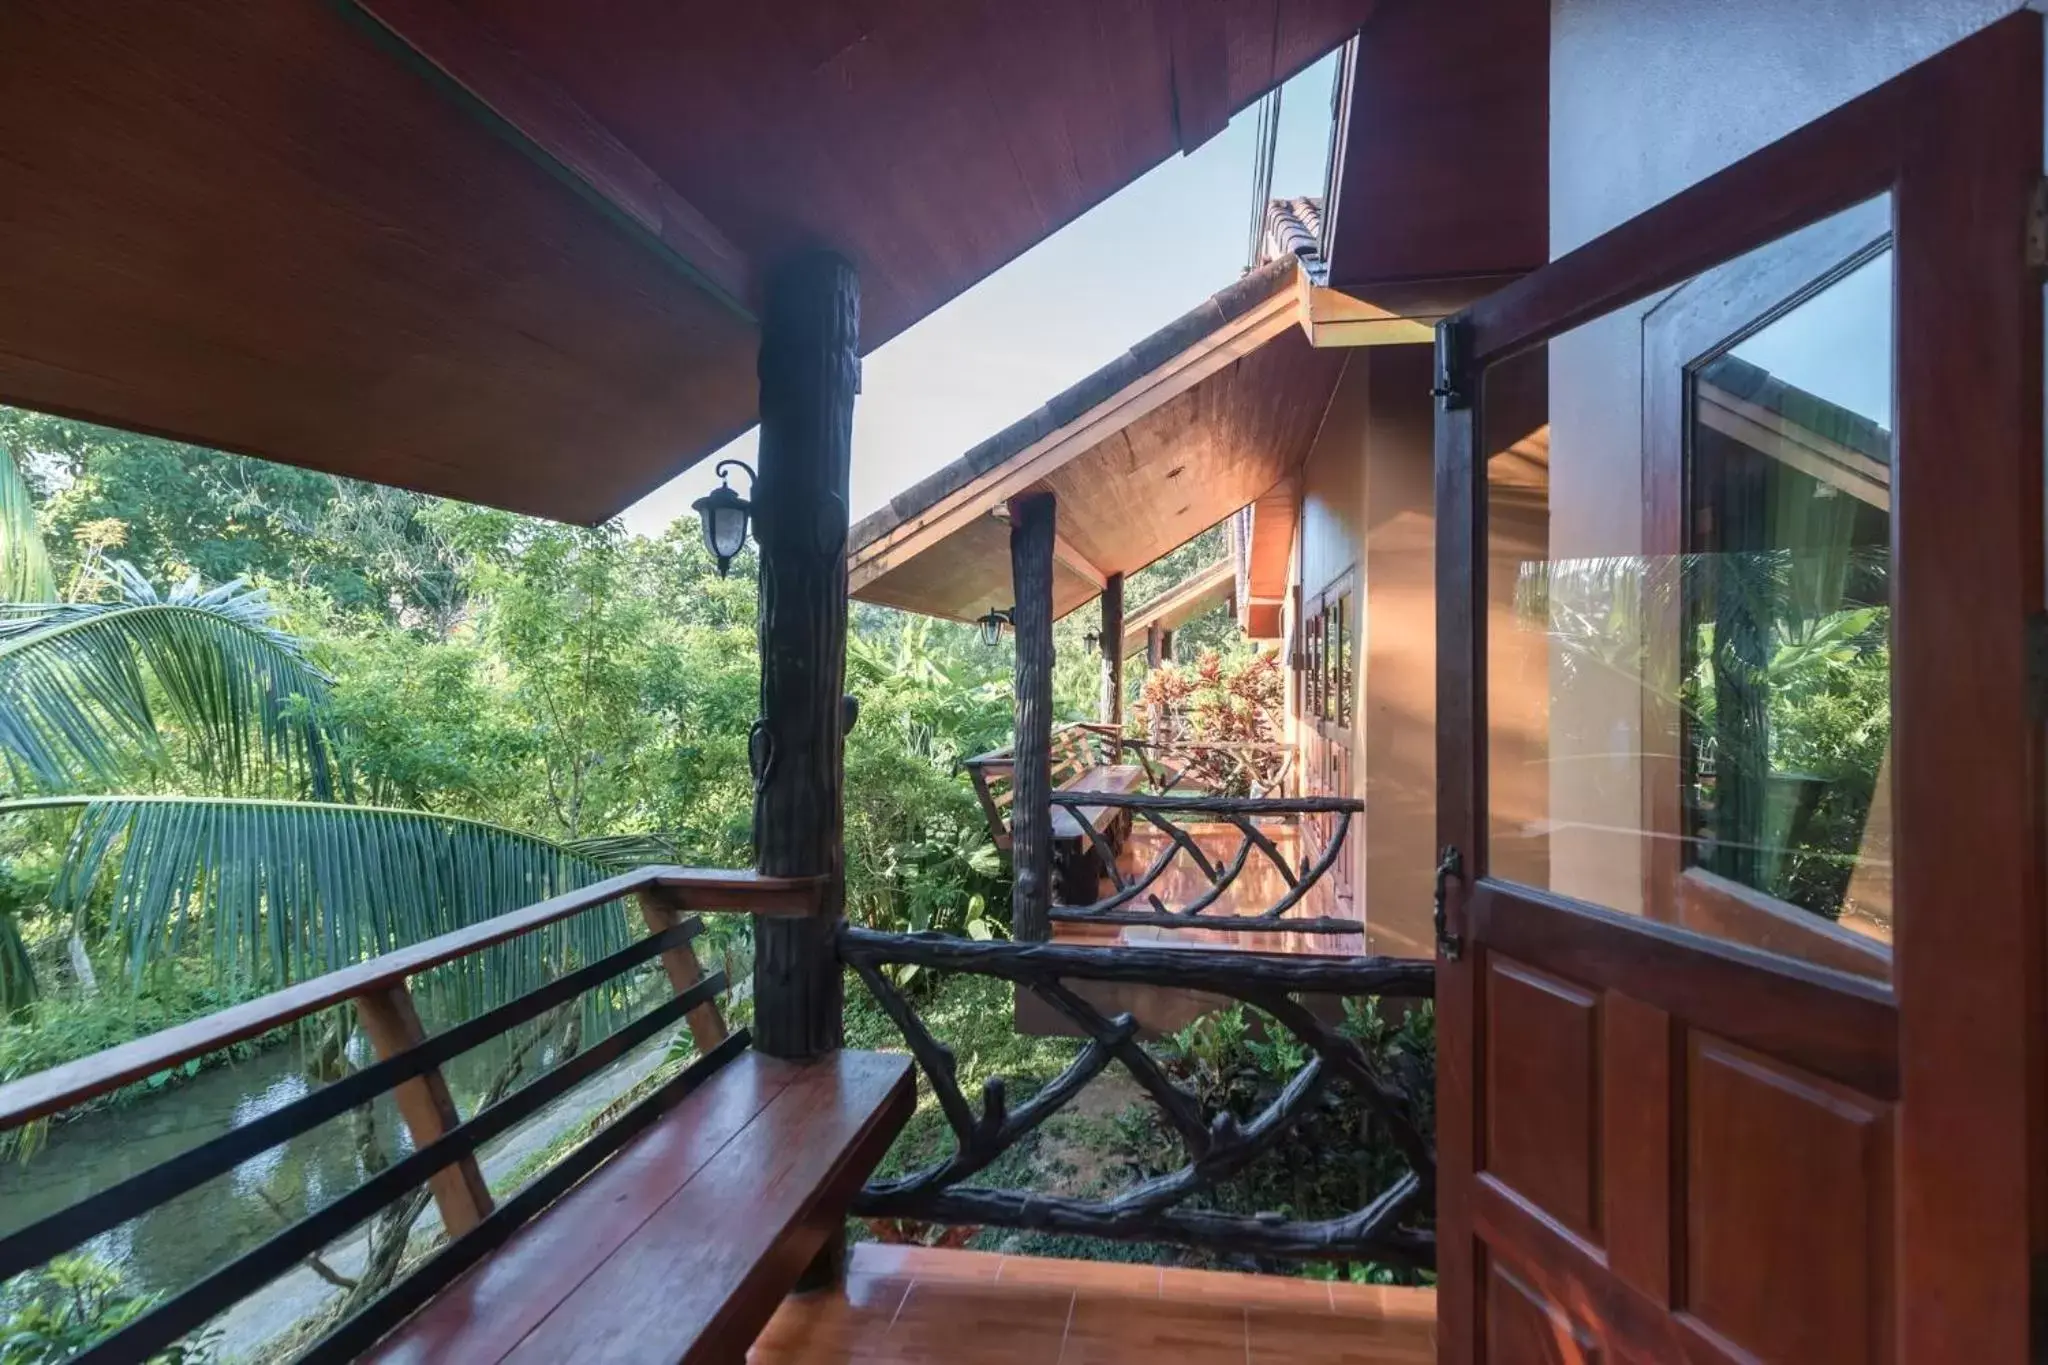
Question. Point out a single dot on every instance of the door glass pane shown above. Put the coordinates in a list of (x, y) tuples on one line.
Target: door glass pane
[(1688, 633)]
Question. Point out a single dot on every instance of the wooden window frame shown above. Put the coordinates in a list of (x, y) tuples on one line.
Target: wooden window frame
[(1703, 318)]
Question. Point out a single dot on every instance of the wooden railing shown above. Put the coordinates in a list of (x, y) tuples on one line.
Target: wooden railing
[(1393, 1226), (1076, 748), (1215, 767), (1254, 820), (409, 1067)]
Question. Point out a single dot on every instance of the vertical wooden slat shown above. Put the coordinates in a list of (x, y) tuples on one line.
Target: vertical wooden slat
[(809, 373), (707, 1024), (1032, 525), (393, 1026), (1461, 760)]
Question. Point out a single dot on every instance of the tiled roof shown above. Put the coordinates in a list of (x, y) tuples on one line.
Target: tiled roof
[(1294, 227)]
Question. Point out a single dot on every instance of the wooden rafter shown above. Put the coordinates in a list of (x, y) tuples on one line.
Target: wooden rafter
[(468, 53), (1184, 601)]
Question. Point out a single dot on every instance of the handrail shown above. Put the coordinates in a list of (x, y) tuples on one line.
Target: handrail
[(1240, 812), (682, 888), (1394, 1089)]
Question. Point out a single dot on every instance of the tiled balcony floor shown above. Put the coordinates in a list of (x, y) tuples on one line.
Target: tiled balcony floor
[(908, 1304)]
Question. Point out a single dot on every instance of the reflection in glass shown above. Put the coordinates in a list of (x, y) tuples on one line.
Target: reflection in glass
[(1688, 628)]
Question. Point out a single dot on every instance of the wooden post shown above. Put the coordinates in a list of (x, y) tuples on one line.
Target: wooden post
[(707, 1024), (809, 372), (1155, 652), (1032, 525), (1112, 710), (1166, 646), (393, 1026)]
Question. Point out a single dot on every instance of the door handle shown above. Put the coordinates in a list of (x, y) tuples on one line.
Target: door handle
[(1451, 946)]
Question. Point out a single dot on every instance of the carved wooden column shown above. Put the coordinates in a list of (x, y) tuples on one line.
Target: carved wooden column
[(1112, 710), (809, 371), (1031, 544)]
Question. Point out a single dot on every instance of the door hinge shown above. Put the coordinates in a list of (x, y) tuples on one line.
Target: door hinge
[(2037, 227), (1449, 946), (2037, 665), (1453, 363)]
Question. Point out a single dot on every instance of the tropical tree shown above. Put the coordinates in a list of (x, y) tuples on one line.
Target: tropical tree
[(190, 746)]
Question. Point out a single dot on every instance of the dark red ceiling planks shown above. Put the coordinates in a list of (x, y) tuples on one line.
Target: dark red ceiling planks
[(931, 140), (284, 228)]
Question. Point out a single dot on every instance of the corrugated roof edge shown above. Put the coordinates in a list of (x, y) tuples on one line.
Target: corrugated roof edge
[(1217, 311)]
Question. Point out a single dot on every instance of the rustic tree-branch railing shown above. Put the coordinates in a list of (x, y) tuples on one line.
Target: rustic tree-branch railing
[(1390, 1228), (1171, 816)]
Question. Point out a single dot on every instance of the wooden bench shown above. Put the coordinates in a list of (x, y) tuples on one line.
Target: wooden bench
[(1077, 861), (681, 1246)]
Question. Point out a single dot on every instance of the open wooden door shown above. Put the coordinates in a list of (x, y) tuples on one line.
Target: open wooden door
[(1740, 545)]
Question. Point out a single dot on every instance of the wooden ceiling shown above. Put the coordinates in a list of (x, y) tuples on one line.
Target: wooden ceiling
[(506, 250), (1143, 468)]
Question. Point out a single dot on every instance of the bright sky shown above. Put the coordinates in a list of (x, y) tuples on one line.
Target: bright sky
[(1058, 312), (1838, 344)]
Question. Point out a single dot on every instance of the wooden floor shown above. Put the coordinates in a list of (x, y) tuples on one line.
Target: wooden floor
[(1256, 889), (912, 1304)]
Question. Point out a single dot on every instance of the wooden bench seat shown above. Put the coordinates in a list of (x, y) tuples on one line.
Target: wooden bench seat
[(682, 1245), (1077, 863)]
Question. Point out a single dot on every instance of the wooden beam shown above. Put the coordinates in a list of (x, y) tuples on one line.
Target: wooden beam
[(1330, 317), (1214, 352), (809, 372), (393, 1026), (1112, 642), (1032, 533), (1064, 553), (707, 1024), (1183, 601), (481, 65)]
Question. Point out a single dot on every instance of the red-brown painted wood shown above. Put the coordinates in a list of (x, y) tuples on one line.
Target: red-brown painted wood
[(47, 1092), (1767, 1121), (682, 1246)]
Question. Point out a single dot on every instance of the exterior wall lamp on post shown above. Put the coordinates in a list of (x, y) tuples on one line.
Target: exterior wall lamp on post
[(992, 624), (722, 516)]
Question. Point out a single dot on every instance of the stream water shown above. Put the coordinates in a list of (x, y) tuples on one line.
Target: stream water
[(172, 1246)]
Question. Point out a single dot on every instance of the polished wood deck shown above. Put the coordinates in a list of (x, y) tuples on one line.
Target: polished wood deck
[(913, 1304), (1258, 887)]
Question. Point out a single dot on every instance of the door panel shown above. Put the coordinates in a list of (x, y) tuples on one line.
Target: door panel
[(1739, 533)]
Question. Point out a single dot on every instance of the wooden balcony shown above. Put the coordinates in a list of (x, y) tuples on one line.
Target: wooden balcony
[(678, 1227), (1257, 887), (912, 1304)]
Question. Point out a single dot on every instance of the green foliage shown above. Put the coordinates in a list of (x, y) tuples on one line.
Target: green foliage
[(279, 891), (185, 510), (82, 685), (1339, 1158), (25, 574), (52, 1314)]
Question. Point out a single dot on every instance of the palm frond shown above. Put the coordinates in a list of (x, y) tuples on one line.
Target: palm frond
[(25, 574), (76, 705), (278, 891), (623, 852), (17, 970)]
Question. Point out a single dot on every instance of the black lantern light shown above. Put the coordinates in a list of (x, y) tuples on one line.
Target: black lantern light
[(722, 515), (992, 625), (1092, 642)]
